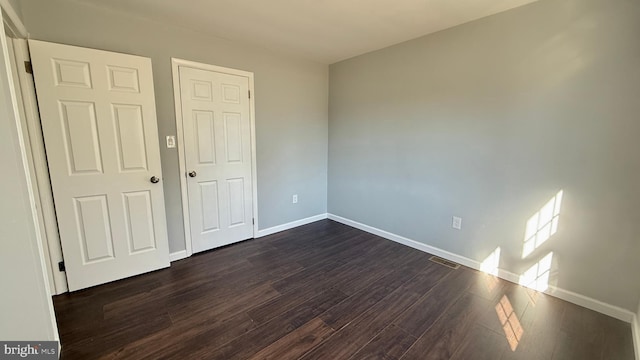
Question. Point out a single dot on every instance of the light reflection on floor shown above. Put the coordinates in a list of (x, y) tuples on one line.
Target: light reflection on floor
[(540, 227), (513, 331)]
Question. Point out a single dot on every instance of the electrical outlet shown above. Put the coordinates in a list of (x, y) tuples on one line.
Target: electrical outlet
[(456, 223), (171, 142), (294, 200)]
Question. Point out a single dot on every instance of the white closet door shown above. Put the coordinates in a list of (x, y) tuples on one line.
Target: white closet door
[(101, 138), (217, 143)]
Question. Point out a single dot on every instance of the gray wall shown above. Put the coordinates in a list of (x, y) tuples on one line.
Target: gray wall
[(25, 307), (488, 121), (17, 7), (291, 102)]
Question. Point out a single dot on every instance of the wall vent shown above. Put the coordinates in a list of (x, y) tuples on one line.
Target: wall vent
[(444, 262)]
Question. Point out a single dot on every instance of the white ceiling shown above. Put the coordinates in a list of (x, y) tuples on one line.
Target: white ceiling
[(326, 31)]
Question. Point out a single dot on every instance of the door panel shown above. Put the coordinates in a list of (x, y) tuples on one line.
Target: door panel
[(217, 141), (205, 137), (123, 79), (236, 202), (233, 137), (99, 125), (81, 137), (139, 219), (72, 73), (210, 203), (94, 228), (132, 154)]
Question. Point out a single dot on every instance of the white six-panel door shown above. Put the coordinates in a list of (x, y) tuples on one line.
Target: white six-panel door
[(98, 118), (217, 146)]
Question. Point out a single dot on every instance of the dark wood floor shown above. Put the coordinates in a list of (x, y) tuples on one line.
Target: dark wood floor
[(328, 291)]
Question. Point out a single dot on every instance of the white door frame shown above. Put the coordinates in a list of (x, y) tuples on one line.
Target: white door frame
[(175, 64), (10, 21), (40, 184), (38, 163)]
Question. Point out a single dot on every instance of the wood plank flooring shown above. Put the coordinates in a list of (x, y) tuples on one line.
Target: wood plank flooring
[(327, 291)]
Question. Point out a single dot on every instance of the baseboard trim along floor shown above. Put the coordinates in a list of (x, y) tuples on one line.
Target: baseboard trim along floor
[(572, 297)]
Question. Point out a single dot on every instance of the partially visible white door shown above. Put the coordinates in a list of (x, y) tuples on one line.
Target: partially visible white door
[(101, 138), (217, 141)]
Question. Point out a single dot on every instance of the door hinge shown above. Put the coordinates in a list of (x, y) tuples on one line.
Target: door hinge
[(253, 221), (27, 67), (249, 94), (61, 266)]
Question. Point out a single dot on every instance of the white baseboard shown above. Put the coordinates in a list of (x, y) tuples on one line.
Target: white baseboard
[(290, 225), (635, 328), (182, 254), (578, 299), (405, 241), (178, 255), (591, 303)]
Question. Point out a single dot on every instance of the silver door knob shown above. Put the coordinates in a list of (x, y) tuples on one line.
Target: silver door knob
[(154, 179), (192, 173)]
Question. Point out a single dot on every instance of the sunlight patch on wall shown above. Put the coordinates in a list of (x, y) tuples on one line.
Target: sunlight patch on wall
[(542, 225), (491, 263), (537, 277)]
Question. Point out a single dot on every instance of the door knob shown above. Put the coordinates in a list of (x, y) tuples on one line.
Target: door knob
[(192, 173), (154, 179)]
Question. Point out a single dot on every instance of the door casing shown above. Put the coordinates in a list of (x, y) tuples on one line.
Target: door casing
[(175, 66), (30, 124), (51, 245)]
